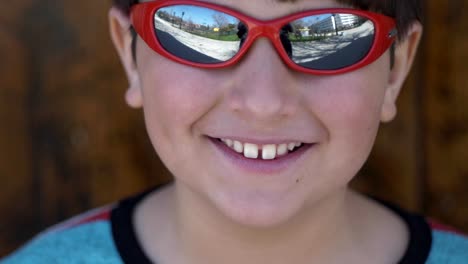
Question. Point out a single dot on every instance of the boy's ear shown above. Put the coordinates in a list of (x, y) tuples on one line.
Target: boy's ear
[(119, 24), (405, 53)]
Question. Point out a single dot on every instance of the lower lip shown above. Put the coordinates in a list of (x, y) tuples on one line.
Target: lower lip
[(259, 165)]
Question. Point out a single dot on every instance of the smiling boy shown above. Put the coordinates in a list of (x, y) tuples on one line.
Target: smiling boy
[(262, 130)]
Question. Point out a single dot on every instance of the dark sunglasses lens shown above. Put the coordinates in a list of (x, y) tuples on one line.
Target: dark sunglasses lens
[(198, 34), (328, 41)]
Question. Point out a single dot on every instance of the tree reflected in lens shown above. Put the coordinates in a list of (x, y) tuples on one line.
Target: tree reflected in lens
[(330, 41), (197, 34)]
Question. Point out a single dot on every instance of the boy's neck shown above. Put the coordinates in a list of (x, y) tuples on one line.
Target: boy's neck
[(222, 237), (196, 233)]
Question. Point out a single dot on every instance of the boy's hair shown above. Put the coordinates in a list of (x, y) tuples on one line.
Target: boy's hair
[(404, 11)]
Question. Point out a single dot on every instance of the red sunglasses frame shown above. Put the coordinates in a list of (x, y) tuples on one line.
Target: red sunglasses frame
[(142, 18)]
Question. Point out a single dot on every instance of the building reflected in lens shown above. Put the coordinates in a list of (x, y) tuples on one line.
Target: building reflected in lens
[(331, 41)]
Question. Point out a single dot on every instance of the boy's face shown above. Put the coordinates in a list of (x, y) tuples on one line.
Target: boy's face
[(261, 101)]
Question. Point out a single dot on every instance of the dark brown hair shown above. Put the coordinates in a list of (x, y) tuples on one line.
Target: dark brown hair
[(404, 11)]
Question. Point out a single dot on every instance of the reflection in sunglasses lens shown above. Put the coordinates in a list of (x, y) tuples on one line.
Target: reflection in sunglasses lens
[(320, 42), (328, 41), (199, 34)]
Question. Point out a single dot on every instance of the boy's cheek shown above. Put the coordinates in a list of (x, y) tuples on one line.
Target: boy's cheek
[(178, 93), (349, 107)]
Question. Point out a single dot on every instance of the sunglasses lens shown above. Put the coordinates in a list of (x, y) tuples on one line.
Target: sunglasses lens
[(328, 41), (198, 34)]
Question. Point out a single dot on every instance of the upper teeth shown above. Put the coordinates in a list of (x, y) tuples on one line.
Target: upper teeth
[(269, 151)]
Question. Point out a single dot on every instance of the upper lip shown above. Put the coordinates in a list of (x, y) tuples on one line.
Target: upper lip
[(263, 141)]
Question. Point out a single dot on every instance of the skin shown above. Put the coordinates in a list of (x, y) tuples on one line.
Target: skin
[(302, 213)]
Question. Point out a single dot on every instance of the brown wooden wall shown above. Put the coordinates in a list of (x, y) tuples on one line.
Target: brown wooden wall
[(68, 142)]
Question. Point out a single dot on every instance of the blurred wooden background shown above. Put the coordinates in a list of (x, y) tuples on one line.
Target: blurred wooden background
[(68, 143)]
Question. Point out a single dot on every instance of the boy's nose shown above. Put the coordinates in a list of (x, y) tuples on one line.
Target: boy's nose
[(264, 86)]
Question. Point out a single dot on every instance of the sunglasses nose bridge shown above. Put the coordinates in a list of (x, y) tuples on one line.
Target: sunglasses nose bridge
[(265, 30)]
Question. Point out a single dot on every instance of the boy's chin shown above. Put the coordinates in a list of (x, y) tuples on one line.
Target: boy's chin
[(259, 211)]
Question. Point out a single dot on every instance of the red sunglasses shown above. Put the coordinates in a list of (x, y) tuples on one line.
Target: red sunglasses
[(205, 35)]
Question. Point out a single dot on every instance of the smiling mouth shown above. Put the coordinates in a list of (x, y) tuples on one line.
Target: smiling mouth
[(263, 152)]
